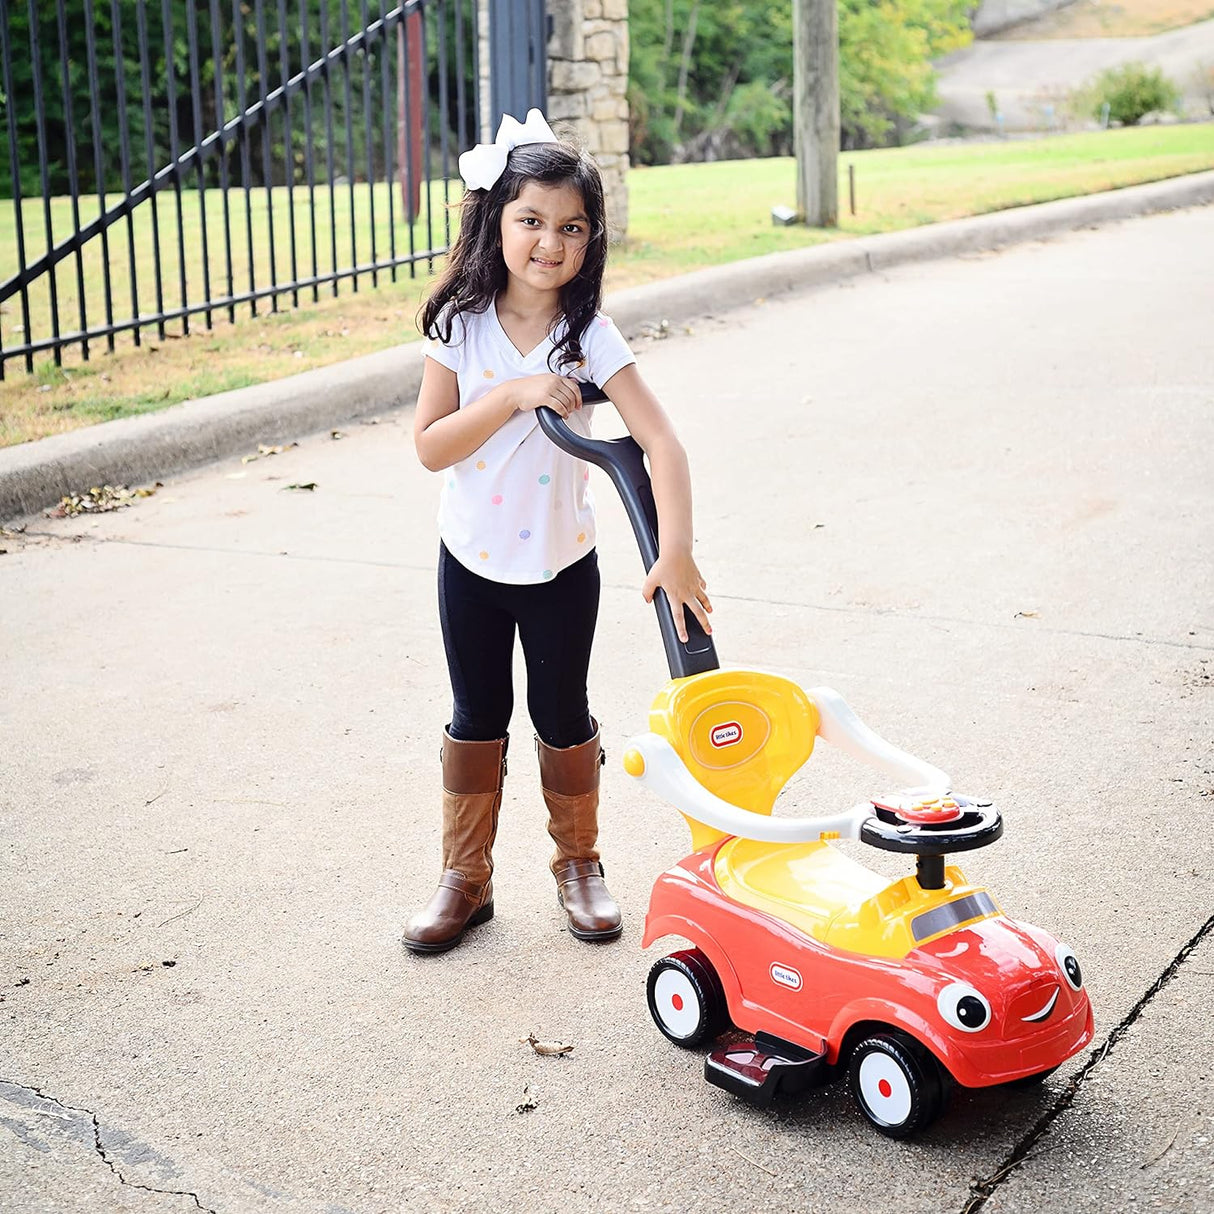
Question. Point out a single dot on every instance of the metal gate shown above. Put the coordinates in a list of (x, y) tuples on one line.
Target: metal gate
[(518, 37), (169, 160)]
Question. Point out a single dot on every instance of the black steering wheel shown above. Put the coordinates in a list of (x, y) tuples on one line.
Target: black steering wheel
[(931, 826)]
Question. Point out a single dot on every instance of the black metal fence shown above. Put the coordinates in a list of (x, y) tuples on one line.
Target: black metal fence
[(169, 160)]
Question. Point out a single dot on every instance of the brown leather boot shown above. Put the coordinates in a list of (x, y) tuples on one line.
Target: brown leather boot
[(569, 778), (472, 795)]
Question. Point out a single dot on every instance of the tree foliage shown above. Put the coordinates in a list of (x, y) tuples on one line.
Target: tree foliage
[(251, 48), (709, 80)]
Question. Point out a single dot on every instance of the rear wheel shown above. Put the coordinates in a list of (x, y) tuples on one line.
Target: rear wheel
[(685, 998), (897, 1084)]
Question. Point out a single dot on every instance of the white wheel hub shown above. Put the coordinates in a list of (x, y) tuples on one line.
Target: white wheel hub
[(677, 1003), (885, 1089)]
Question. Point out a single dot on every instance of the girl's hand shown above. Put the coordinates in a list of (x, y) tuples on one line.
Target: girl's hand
[(556, 391), (679, 577)]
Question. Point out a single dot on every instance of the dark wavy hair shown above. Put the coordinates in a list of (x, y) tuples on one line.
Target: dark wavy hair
[(476, 271)]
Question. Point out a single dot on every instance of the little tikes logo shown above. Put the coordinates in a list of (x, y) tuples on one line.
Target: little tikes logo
[(785, 975), (729, 734)]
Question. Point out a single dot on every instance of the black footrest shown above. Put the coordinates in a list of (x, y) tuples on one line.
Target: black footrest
[(757, 1070)]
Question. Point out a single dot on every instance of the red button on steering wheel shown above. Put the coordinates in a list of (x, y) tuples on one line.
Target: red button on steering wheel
[(926, 811)]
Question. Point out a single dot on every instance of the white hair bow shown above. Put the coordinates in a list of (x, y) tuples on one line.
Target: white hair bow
[(481, 166)]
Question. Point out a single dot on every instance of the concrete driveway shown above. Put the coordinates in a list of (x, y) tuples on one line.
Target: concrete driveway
[(972, 495)]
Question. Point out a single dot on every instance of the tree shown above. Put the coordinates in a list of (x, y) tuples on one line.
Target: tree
[(119, 60), (885, 53), (737, 99)]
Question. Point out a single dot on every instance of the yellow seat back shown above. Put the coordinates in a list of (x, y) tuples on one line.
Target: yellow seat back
[(741, 733)]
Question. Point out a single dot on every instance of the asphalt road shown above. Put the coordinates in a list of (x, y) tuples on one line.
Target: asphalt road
[(973, 495), (1032, 80)]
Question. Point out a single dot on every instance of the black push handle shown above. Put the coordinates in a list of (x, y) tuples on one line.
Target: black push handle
[(624, 461)]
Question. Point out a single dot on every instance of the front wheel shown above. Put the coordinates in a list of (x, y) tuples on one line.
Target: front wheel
[(685, 998), (896, 1083)]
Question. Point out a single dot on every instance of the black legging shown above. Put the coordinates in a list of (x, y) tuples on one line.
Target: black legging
[(555, 622)]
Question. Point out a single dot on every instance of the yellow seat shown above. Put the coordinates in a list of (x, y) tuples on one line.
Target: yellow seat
[(805, 884), (815, 888)]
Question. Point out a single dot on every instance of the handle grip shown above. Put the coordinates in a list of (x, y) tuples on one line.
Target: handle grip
[(624, 462)]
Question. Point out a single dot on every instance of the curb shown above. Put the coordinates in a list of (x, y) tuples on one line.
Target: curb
[(140, 449)]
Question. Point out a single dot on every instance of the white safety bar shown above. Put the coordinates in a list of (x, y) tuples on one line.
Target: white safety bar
[(667, 775)]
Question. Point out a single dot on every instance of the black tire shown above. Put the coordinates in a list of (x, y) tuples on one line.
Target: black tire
[(685, 998), (896, 1083)]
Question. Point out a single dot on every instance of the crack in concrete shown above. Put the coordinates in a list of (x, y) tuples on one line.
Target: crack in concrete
[(863, 612), (99, 1147), (902, 613), (981, 1190), (220, 551)]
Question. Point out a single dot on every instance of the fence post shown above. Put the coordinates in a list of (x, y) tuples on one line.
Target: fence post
[(409, 133)]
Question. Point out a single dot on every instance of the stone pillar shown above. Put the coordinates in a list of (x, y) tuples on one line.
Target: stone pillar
[(588, 90)]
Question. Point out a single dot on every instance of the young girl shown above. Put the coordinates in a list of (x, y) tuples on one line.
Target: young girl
[(513, 324)]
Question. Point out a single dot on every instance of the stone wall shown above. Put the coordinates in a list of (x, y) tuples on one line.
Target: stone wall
[(588, 90)]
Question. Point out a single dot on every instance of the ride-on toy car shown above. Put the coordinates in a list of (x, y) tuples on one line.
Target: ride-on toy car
[(908, 987)]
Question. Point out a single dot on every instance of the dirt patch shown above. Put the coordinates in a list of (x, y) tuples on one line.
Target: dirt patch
[(1112, 19), (1202, 675)]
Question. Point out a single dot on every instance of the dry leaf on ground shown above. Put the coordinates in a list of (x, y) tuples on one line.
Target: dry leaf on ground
[(264, 449), (99, 500), (547, 1049)]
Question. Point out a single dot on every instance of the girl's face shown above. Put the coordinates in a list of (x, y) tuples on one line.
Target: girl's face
[(544, 236)]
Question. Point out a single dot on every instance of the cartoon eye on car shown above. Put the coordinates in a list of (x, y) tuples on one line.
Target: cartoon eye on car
[(909, 986)]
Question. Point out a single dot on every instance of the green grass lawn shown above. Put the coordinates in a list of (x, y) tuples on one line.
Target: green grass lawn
[(686, 216), (682, 217)]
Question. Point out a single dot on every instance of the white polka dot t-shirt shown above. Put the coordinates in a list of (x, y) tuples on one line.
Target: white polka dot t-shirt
[(519, 510)]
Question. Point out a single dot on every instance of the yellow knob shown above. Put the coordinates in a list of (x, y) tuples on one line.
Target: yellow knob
[(634, 762)]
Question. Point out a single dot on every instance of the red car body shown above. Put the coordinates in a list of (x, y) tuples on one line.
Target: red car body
[(777, 979)]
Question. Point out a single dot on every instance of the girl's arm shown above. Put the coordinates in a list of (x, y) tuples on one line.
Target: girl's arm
[(444, 434), (675, 569)]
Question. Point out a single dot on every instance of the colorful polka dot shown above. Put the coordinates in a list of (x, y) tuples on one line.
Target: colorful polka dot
[(524, 535), (604, 321), (581, 539), (480, 465), (547, 574), (483, 555), (487, 373), (586, 475), (496, 499), (451, 484), (545, 479)]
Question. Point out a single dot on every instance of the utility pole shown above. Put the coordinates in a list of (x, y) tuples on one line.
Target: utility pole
[(815, 93)]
